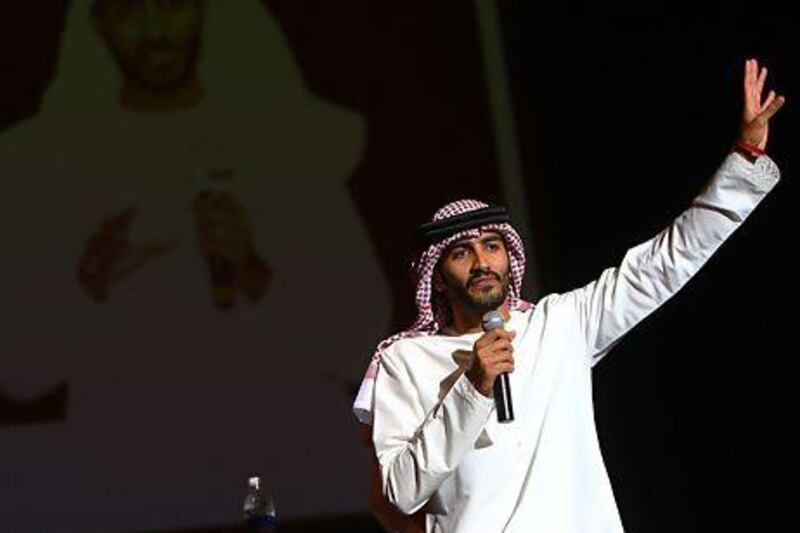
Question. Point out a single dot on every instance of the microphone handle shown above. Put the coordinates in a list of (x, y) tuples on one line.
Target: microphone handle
[(502, 398), (223, 291)]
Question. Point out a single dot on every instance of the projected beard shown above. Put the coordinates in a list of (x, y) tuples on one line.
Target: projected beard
[(162, 59), (475, 298)]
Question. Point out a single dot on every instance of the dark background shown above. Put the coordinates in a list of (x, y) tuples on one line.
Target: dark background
[(627, 111), (622, 115)]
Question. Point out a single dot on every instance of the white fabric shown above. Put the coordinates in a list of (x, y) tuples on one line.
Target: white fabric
[(437, 439)]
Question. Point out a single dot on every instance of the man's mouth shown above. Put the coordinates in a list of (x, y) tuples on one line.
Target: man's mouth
[(482, 280)]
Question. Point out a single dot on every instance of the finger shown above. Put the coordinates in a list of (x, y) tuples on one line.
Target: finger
[(506, 334), (203, 200), (149, 250), (489, 337), (773, 108), (500, 358), (760, 82), (503, 338), (490, 354), (497, 367), (119, 222), (746, 77), (500, 345), (497, 351), (754, 97), (754, 72), (768, 101), (748, 86), (129, 212), (485, 340), (504, 367), (226, 201)]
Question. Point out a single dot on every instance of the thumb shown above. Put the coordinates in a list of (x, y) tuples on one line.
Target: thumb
[(771, 109)]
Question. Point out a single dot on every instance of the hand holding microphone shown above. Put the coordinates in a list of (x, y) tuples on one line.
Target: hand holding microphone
[(226, 239), (492, 361)]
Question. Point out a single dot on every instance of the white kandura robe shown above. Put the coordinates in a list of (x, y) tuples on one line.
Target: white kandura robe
[(437, 439)]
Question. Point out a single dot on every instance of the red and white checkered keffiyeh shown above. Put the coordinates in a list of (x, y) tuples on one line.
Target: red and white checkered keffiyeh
[(431, 308)]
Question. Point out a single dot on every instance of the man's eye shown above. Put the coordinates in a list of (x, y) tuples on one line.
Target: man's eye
[(172, 4), (458, 254), (120, 8)]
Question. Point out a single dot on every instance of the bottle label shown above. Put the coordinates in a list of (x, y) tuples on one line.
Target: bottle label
[(262, 520)]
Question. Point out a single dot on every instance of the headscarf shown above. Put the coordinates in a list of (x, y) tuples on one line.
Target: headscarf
[(431, 306)]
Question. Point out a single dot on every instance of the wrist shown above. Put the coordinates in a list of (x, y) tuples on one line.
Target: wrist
[(747, 150), (479, 384)]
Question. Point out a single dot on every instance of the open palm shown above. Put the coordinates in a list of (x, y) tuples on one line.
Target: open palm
[(755, 119)]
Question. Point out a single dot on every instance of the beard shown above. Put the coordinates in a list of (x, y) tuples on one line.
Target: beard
[(480, 300), (161, 74)]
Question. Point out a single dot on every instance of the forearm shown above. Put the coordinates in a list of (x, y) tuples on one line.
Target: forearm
[(655, 270), (391, 519), (414, 466)]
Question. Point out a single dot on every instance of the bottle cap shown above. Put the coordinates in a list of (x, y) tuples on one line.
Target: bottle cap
[(254, 482)]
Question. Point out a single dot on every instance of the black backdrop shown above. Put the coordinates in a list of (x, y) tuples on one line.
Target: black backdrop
[(628, 110)]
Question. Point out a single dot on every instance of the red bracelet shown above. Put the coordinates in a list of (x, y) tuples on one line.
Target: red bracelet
[(753, 149)]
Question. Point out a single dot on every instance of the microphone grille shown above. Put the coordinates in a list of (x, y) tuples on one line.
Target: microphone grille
[(493, 320)]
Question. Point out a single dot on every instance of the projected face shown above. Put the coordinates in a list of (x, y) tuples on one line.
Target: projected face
[(154, 42)]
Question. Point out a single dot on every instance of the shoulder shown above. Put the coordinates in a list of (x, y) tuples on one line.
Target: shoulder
[(555, 306), (409, 347), (526, 311), (424, 354)]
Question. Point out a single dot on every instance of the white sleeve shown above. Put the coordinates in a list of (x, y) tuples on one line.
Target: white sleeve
[(653, 271), (417, 451)]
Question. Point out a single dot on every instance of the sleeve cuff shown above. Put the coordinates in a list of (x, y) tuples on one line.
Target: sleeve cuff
[(763, 174), (464, 388)]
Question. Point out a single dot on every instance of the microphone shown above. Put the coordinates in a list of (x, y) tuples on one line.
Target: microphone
[(223, 290), (502, 386), (220, 268)]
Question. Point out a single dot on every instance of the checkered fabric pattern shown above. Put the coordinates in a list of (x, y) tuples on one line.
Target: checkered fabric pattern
[(431, 307)]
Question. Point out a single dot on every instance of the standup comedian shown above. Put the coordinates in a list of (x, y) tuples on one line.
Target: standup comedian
[(443, 459)]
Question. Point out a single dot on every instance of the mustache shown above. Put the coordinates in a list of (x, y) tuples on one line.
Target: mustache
[(147, 48), (161, 43), (481, 274)]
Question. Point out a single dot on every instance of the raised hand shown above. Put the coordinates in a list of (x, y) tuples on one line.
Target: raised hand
[(757, 110), (109, 255)]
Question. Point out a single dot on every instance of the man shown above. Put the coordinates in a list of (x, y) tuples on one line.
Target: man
[(441, 453), (156, 47)]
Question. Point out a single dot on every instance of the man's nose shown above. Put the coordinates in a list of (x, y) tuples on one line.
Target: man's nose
[(153, 20), (479, 262)]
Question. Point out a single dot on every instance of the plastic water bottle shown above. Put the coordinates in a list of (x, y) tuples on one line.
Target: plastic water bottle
[(259, 511)]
